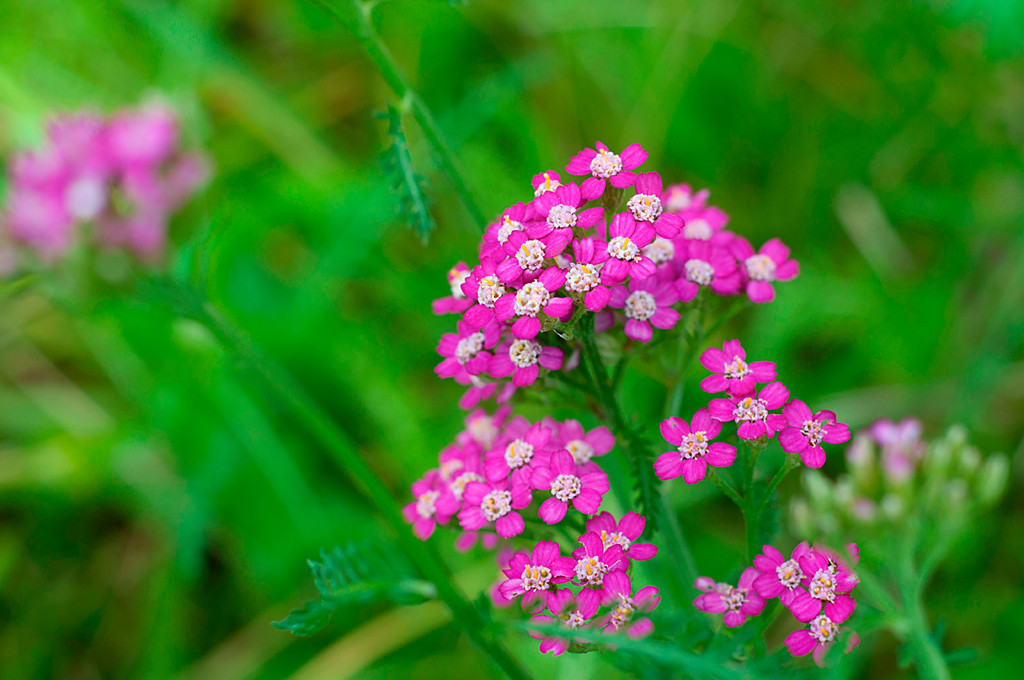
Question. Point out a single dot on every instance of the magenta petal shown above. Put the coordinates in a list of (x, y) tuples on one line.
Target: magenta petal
[(813, 457), (510, 525), (558, 307), (720, 454), (640, 331), (694, 470), (673, 429), (668, 465), (760, 291), (623, 179), (588, 502), (597, 299), (526, 327), (642, 551), (792, 440), (552, 511), (800, 642), (714, 383)]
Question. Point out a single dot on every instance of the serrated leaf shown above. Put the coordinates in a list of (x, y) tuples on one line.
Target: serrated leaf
[(413, 202), (355, 575)]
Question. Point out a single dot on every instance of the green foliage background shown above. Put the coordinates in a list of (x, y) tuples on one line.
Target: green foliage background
[(156, 509)]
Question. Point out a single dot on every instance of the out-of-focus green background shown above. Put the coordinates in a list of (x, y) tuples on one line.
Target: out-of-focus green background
[(156, 508)]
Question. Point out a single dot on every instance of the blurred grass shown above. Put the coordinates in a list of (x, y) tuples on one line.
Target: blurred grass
[(157, 509)]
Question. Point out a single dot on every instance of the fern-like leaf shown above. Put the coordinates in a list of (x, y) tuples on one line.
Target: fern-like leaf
[(355, 575), (413, 202)]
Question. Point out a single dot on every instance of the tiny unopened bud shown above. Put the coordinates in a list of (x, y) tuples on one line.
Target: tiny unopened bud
[(864, 510), (991, 481), (968, 462), (819, 489), (955, 495), (803, 518), (892, 506)]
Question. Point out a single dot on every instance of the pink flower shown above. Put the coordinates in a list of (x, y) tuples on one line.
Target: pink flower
[(780, 577), (623, 533), (573, 612), (602, 164), (695, 450), (525, 256), (646, 206), (818, 637), (522, 360), (583, 445), (457, 302), (618, 594), (484, 286), (737, 602), (512, 219), (584, 275), (536, 576), (646, 303), (806, 432), (585, 491), (830, 583), (470, 468), (519, 457), (466, 352), (707, 265), (901, 446), (485, 503), (731, 371), (753, 411), (424, 513), (532, 299), (549, 180), (627, 237), (559, 211), (769, 264), (594, 560), (679, 197), (145, 137), (483, 428)]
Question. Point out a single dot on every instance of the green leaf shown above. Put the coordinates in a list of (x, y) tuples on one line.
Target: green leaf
[(413, 203), (355, 575)]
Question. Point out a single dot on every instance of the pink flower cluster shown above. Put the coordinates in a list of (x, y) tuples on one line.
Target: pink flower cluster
[(619, 240), (124, 175), (800, 431), (815, 584), (499, 465), (574, 588)]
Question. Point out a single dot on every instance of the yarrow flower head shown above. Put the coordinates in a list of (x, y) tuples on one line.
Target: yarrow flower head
[(737, 602), (731, 372), (457, 302), (528, 302), (646, 206), (125, 175), (764, 267), (752, 411), (424, 513), (561, 478), (806, 432), (783, 578), (625, 259), (572, 612), (695, 450), (646, 303), (494, 503), (625, 605), (624, 533), (523, 359), (594, 560), (536, 576), (604, 165)]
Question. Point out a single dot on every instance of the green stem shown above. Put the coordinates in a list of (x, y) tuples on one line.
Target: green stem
[(357, 20), (342, 451), (638, 455), (725, 486), (928, 656), (751, 506)]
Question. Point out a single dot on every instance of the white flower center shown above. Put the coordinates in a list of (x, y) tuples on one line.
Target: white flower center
[(623, 612), (483, 430), (640, 305), (698, 230), (536, 578), (814, 431), (699, 272), (562, 216), (530, 255), (489, 290), (507, 227), (457, 277), (85, 198), (621, 248), (750, 410), (614, 538), (496, 504), (458, 486), (789, 574), (590, 571), (823, 586), (581, 451), (694, 444), (547, 185), (824, 629), (425, 504), (449, 467), (531, 298), (566, 487), (469, 346), (734, 598), (583, 278), (518, 453), (645, 207), (574, 620), (736, 369), (660, 250), (605, 164), (760, 268), (524, 353)]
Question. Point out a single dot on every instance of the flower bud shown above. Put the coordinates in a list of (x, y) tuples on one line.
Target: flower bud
[(991, 480), (893, 506)]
